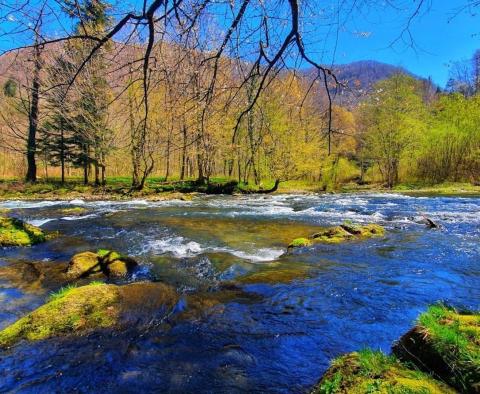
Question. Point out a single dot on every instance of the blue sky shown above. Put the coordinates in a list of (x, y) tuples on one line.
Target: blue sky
[(440, 35)]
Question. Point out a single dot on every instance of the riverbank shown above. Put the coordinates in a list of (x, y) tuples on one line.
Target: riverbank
[(156, 189)]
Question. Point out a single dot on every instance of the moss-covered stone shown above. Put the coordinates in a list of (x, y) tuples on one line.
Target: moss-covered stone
[(446, 342), (75, 211), (15, 232), (84, 264), (338, 234), (333, 235), (299, 242), (116, 264), (368, 230), (374, 372), (78, 310), (75, 310), (104, 262)]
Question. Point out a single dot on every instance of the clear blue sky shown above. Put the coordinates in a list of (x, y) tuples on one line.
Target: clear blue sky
[(441, 35)]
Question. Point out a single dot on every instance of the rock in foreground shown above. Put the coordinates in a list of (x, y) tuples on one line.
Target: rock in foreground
[(15, 232), (103, 263), (447, 343), (374, 372), (78, 310)]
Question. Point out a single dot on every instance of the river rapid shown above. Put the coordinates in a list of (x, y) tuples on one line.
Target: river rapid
[(273, 337)]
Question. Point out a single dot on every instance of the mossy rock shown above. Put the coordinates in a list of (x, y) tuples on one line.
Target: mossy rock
[(84, 264), (79, 310), (368, 230), (338, 234), (75, 211), (15, 232), (446, 342), (299, 243), (115, 264), (335, 234), (370, 371), (104, 262)]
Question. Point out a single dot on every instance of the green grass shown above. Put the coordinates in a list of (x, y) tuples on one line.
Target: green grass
[(369, 371), (62, 292), (456, 338)]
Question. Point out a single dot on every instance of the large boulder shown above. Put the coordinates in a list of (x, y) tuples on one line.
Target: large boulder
[(103, 263), (446, 342), (15, 232), (79, 310), (370, 371)]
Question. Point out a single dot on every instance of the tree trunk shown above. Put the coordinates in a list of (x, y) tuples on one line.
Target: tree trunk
[(184, 152), (31, 175), (62, 155)]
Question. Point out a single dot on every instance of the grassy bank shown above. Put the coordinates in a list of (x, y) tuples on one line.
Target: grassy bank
[(157, 188)]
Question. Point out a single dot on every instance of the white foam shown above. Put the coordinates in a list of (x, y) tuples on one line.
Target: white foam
[(39, 222), (91, 215), (77, 202), (29, 204), (178, 246), (263, 254)]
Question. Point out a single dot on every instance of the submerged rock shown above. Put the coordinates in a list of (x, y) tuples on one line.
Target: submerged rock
[(374, 372), (104, 262), (447, 343), (426, 221), (275, 275), (33, 277), (78, 310), (15, 232), (342, 233)]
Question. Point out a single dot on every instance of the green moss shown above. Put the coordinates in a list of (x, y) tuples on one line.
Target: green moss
[(14, 232), (300, 242), (370, 371), (76, 211), (62, 292), (70, 311)]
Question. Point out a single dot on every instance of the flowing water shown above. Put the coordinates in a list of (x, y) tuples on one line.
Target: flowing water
[(275, 336)]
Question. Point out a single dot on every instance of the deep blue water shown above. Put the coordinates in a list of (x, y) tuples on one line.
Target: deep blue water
[(281, 338)]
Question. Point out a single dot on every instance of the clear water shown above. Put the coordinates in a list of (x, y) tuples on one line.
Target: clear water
[(267, 337)]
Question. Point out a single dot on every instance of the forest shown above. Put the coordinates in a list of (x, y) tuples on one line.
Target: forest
[(63, 118)]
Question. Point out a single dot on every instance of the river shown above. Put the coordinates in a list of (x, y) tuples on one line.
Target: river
[(269, 337)]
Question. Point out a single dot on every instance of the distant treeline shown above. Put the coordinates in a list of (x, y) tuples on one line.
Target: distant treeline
[(105, 119)]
